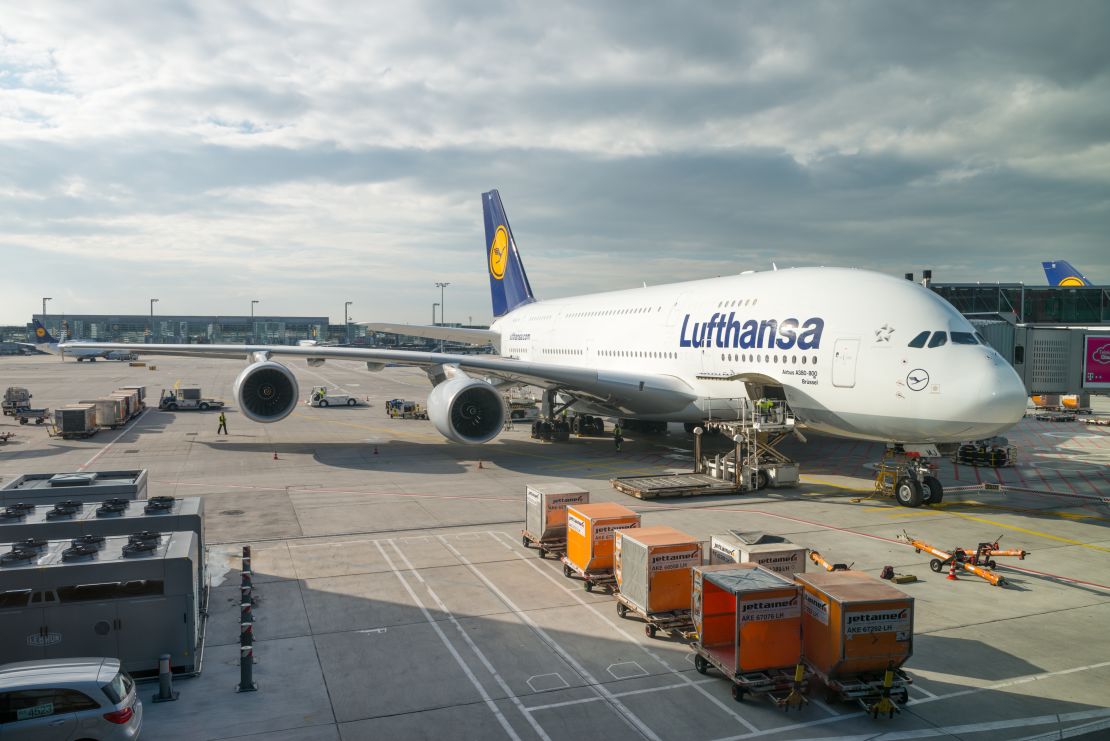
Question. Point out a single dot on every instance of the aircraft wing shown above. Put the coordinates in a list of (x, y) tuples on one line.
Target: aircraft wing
[(629, 392), (451, 334)]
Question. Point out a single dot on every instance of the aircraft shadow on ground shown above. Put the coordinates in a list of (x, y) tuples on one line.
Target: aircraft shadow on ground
[(388, 673)]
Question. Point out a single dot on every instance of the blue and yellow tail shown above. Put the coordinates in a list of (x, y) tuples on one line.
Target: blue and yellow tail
[(1061, 273), (42, 337), (508, 283)]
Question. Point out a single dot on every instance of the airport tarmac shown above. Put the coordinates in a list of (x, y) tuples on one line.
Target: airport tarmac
[(395, 599)]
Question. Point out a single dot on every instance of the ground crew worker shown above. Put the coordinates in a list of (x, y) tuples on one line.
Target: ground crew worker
[(765, 406), (223, 424), (617, 438)]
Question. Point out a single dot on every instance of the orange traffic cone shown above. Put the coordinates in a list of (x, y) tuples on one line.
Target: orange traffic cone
[(952, 571)]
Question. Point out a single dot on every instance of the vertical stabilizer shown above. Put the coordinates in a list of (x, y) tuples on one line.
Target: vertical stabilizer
[(1062, 273), (42, 337), (508, 283)]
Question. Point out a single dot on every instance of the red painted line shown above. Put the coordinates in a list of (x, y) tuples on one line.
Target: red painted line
[(956, 470), (1066, 482), (1043, 479), (978, 478)]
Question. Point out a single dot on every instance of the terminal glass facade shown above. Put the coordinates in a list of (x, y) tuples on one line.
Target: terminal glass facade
[(231, 330), (1030, 304)]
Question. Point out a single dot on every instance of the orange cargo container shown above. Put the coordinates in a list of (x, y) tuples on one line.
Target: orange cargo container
[(748, 619), (854, 624), (652, 566), (590, 529)]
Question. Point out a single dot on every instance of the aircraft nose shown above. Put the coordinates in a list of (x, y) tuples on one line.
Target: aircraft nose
[(1002, 398)]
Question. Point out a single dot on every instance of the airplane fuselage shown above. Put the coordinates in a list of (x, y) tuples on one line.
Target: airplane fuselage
[(837, 342)]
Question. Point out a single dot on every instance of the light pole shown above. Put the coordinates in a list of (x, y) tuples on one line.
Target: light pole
[(44, 300), (346, 321), (434, 313), (442, 306), (253, 302), (153, 301)]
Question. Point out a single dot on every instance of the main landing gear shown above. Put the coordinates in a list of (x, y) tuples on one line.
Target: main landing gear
[(908, 474)]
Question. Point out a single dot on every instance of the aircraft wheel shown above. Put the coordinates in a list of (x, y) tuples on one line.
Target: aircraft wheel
[(908, 493), (934, 489)]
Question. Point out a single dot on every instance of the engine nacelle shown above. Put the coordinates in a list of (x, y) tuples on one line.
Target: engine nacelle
[(466, 411), (266, 391)]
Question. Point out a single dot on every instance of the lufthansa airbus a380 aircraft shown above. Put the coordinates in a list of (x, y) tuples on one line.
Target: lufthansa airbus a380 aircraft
[(854, 353)]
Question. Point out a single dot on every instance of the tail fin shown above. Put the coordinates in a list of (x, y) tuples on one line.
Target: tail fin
[(42, 337), (1061, 273), (508, 283)]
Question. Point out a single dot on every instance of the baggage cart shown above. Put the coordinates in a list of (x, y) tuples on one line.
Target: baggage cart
[(749, 627), (75, 421), (857, 632), (545, 515), (769, 551), (27, 415), (652, 567), (590, 529)]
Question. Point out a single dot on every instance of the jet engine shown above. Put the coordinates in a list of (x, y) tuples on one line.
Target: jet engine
[(266, 391), (466, 411)]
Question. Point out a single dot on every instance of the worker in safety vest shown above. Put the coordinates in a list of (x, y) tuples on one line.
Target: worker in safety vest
[(617, 437), (223, 424), (765, 406)]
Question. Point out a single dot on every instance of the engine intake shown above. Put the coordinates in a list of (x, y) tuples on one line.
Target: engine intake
[(266, 391), (466, 411)]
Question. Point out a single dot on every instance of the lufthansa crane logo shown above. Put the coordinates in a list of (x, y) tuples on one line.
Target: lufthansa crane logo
[(499, 252), (40, 332), (917, 380), (1071, 280)]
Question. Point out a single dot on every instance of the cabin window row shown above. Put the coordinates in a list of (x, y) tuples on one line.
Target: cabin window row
[(638, 354), (614, 312), (561, 351), (760, 358), (737, 302)]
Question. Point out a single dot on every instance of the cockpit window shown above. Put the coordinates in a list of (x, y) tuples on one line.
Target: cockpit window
[(939, 338), (919, 341), (964, 338), (981, 338)]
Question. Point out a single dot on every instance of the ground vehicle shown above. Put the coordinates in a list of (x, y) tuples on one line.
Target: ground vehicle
[(400, 408), (15, 397), (172, 400), (54, 698), (321, 397), (26, 414)]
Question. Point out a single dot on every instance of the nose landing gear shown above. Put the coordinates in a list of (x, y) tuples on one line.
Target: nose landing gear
[(908, 474)]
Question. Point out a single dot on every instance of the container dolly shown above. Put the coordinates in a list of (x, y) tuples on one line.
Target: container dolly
[(784, 687), (557, 546), (590, 579), (958, 559), (27, 414), (671, 622), (877, 696)]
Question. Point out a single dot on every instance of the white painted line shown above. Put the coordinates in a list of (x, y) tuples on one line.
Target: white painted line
[(477, 651), (922, 690), (123, 430), (634, 641), (552, 681), (646, 690), (509, 730), (626, 670), (601, 689), (823, 705)]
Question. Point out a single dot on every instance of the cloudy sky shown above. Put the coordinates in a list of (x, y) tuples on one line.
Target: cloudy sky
[(304, 154)]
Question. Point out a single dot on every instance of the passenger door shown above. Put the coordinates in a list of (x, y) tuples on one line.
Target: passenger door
[(844, 362)]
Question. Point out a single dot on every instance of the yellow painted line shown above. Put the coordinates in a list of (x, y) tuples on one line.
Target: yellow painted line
[(1035, 533), (820, 482)]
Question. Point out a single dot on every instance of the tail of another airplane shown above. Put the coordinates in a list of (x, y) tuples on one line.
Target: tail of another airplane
[(42, 337), (1061, 273), (508, 283)]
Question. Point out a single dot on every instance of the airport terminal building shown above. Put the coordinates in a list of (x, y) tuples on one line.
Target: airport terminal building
[(142, 328)]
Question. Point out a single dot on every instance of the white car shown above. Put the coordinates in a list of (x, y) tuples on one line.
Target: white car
[(68, 699)]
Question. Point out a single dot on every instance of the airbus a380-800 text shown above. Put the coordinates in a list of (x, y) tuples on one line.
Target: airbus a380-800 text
[(854, 353)]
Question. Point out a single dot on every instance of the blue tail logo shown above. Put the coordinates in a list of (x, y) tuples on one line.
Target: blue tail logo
[(1062, 273), (41, 335), (508, 283)]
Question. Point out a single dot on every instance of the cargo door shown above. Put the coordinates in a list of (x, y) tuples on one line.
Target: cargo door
[(81, 628), (22, 636), (844, 362)]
